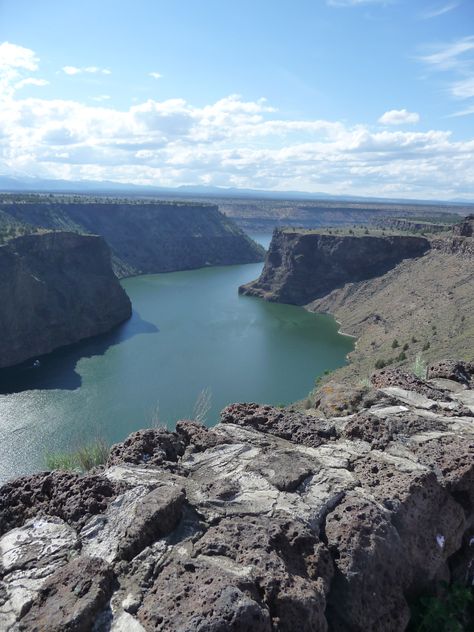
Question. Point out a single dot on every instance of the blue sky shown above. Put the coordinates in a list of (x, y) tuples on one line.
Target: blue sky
[(341, 96)]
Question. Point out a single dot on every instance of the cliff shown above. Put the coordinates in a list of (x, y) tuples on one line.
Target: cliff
[(56, 288), (413, 225), (303, 265), (274, 520), (145, 236), (402, 297)]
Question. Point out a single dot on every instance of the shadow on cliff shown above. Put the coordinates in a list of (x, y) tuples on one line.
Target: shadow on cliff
[(57, 370)]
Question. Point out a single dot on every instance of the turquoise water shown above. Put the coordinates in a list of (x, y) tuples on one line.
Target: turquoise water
[(189, 331)]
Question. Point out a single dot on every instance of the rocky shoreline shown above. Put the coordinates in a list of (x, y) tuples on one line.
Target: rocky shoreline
[(272, 520)]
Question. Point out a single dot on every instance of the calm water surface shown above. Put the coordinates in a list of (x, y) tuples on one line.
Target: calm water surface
[(189, 331)]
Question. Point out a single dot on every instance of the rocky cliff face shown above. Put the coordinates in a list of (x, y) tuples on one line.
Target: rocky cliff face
[(272, 520), (301, 266), (148, 236), (56, 288)]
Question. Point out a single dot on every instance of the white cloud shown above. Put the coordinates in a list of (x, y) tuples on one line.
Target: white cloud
[(155, 75), (75, 70), (230, 142), (463, 89), (457, 61), (399, 117), (101, 97), (438, 10), (13, 56), (448, 56)]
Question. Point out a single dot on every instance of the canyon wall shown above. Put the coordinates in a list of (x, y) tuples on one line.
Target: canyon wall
[(56, 288), (146, 237), (302, 265)]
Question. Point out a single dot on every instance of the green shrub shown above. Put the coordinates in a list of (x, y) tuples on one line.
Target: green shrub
[(402, 356), (83, 459), (426, 346), (419, 367), (395, 344), (405, 346), (445, 613), (379, 364)]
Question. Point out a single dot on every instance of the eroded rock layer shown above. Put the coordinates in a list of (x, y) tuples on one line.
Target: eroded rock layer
[(56, 288), (272, 520), (301, 266), (145, 236)]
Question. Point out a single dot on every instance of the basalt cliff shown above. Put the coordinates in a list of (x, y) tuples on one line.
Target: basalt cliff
[(57, 288), (401, 296), (274, 520), (145, 236)]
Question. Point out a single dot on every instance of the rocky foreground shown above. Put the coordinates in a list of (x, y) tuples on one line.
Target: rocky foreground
[(272, 520)]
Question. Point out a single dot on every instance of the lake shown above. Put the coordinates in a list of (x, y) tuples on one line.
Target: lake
[(189, 331)]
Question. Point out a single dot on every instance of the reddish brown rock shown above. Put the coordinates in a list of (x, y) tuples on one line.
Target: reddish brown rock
[(72, 598), (408, 381), (455, 370), (294, 426), (72, 497), (152, 447)]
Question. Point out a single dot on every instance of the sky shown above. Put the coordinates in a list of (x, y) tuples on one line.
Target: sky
[(349, 97)]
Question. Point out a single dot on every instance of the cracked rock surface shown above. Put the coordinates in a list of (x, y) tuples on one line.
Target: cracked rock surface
[(272, 520)]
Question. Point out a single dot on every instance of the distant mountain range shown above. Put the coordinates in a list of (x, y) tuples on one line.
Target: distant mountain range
[(28, 184)]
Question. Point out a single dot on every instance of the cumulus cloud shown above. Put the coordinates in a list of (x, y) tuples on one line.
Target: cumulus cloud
[(16, 57), (399, 117), (155, 75), (230, 142), (94, 70)]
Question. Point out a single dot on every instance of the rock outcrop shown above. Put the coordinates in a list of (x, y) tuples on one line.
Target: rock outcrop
[(302, 266), (145, 236), (402, 297), (272, 520), (57, 288)]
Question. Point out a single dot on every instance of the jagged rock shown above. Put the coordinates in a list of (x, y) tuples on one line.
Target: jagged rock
[(451, 370), (151, 447), (133, 521), (28, 556), (70, 599), (465, 228), (385, 378), (197, 435), (256, 574), (337, 400), (287, 425), (380, 430), (72, 497), (271, 520)]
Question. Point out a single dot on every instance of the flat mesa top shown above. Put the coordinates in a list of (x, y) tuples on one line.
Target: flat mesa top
[(359, 231)]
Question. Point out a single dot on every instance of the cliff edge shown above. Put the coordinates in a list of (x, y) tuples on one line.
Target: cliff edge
[(304, 265), (145, 236), (57, 288)]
